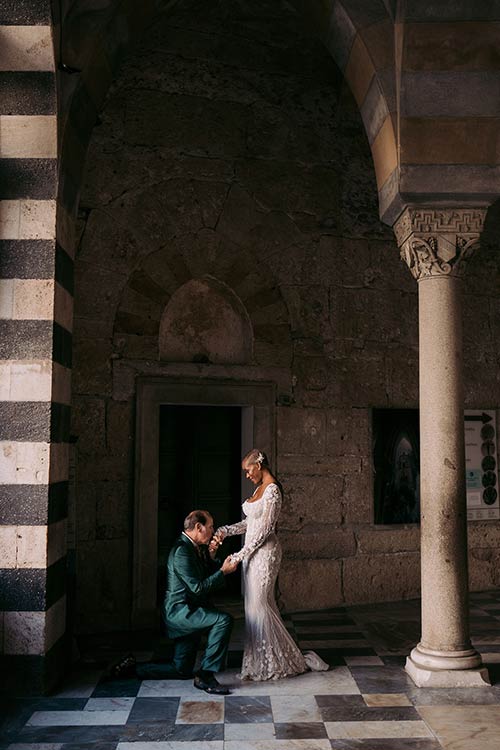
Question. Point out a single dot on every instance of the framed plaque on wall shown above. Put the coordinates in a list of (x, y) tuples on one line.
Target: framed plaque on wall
[(481, 464)]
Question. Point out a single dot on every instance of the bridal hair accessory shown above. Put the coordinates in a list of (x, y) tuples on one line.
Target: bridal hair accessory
[(260, 458)]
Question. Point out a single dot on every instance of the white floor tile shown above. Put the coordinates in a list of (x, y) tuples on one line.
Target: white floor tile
[(109, 704), (346, 730), (336, 681), (322, 629), (295, 708), (77, 718), (259, 731), (173, 745), (166, 688)]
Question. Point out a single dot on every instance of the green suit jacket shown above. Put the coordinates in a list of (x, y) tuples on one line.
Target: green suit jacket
[(190, 581)]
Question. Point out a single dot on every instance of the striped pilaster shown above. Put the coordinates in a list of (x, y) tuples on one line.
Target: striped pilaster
[(370, 72), (36, 303), (361, 39), (426, 79), (450, 105)]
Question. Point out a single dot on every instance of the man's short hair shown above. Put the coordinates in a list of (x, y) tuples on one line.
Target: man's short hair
[(196, 516)]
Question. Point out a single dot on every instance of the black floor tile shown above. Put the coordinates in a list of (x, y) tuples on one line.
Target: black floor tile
[(71, 734), (331, 656), (349, 651), (386, 679), (333, 622), (245, 710), (15, 713), (387, 744), (148, 710), (149, 732), (343, 701), (394, 661), (369, 713), (60, 704), (300, 731), (193, 733), (13, 716), (117, 688)]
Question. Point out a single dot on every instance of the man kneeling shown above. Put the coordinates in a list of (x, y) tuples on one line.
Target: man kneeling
[(192, 575)]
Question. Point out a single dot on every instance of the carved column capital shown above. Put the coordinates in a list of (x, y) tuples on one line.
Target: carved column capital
[(438, 242)]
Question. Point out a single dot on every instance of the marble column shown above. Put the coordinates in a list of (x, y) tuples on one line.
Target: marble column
[(436, 243)]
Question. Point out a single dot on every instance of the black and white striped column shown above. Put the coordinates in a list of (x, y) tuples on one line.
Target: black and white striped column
[(36, 305)]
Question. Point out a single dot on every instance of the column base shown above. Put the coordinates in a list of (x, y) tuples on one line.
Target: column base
[(440, 669)]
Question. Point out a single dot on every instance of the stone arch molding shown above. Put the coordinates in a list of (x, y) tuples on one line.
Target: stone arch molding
[(204, 321), (200, 300)]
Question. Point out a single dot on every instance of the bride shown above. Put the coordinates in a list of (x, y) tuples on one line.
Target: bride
[(270, 652)]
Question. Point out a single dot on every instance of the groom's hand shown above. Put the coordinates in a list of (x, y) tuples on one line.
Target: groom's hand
[(228, 566)]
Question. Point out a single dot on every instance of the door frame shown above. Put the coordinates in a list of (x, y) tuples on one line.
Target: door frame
[(257, 402)]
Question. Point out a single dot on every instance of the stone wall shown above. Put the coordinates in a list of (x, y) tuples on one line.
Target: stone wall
[(229, 148)]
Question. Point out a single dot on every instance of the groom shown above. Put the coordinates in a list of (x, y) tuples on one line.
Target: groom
[(192, 576)]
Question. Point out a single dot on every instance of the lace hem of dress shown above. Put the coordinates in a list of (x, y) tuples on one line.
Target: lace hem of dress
[(266, 670), (314, 662)]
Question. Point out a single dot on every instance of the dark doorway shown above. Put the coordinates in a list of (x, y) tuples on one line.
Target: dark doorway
[(199, 467)]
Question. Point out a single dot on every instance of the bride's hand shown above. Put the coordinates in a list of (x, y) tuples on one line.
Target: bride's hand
[(219, 536), (213, 546)]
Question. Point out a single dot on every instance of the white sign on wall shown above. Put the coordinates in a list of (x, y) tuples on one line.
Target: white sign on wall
[(481, 464)]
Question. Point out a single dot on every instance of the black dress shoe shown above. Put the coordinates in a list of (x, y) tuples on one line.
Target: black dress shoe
[(210, 685), (181, 676), (123, 669)]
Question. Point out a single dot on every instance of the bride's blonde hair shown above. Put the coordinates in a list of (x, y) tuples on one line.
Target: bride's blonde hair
[(256, 456)]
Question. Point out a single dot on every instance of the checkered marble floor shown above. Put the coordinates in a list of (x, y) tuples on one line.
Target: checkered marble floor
[(365, 701)]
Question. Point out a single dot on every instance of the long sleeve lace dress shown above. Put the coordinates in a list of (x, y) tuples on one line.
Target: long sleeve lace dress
[(270, 652)]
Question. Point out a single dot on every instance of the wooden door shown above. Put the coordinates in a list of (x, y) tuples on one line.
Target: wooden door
[(199, 467)]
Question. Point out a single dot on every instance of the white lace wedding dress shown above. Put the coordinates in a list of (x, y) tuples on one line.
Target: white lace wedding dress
[(270, 652)]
